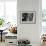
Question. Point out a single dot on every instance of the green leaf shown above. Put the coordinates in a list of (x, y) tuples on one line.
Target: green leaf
[(1, 22)]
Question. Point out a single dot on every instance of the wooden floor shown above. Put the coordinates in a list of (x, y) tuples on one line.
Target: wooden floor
[(2, 43)]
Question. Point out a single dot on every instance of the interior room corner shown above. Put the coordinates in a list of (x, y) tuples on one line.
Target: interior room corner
[(22, 22)]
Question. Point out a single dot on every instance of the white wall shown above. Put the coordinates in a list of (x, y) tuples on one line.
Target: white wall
[(29, 31)]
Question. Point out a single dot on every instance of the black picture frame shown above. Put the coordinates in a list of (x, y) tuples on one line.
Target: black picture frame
[(28, 17)]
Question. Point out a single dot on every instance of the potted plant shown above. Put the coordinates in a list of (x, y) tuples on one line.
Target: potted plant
[(1, 22)]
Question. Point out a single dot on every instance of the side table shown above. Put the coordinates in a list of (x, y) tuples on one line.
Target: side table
[(1, 34)]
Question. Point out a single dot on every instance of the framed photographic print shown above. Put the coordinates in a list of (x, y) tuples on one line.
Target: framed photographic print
[(28, 17)]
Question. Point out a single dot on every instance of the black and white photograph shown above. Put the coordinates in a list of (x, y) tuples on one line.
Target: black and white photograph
[(28, 17)]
